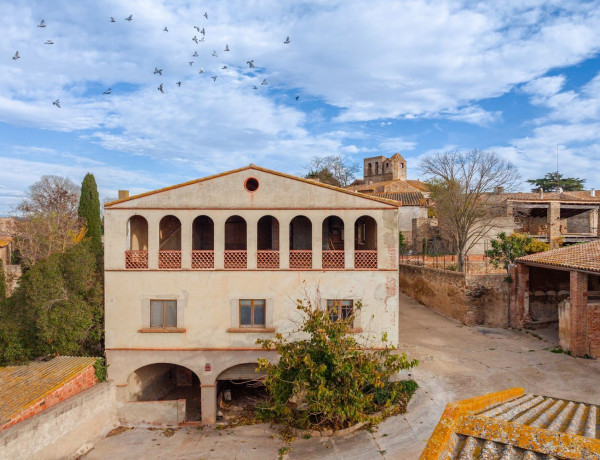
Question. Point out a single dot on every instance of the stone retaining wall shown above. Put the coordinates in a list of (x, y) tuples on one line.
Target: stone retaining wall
[(66, 430), (470, 299)]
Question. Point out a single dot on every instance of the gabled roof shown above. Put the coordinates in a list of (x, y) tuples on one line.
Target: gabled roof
[(256, 168), (389, 186), (584, 257), (22, 386), (406, 198)]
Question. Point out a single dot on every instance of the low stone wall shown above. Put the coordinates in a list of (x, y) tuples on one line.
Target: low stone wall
[(66, 430), (470, 299), (170, 413)]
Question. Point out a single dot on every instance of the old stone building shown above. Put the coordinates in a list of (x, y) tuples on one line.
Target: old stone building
[(195, 273), (387, 178)]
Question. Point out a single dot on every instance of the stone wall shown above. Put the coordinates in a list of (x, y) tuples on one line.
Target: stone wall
[(470, 299), (66, 430), (170, 413)]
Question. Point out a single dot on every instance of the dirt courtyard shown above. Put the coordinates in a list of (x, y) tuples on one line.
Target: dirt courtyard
[(456, 362)]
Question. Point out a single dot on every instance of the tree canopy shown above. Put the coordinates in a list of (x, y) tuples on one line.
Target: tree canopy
[(57, 308), (462, 186), (552, 180), (48, 221), (332, 170), (508, 248)]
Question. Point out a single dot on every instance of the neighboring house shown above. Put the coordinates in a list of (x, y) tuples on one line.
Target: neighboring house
[(561, 286), (196, 272), (386, 178)]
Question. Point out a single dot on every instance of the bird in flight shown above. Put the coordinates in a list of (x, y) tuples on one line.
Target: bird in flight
[(16, 56), (129, 18), (195, 39), (179, 84), (224, 67), (56, 103), (197, 28), (157, 71), (202, 39), (206, 15), (165, 29), (191, 62), (107, 91), (201, 71), (214, 53), (42, 24), (203, 32), (160, 88), (195, 54), (264, 82), (226, 47), (297, 97), (250, 63), (112, 19), (255, 87), (48, 42), (214, 77), (287, 41)]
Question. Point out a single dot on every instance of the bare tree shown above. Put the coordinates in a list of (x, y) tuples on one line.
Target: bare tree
[(332, 169), (462, 186), (48, 220)]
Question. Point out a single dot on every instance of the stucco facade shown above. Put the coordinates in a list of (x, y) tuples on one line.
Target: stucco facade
[(345, 247)]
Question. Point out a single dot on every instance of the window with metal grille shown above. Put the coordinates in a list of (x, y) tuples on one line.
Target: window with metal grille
[(252, 312), (339, 308), (163, 313)]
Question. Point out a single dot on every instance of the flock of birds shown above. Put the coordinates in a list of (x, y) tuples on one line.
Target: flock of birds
[(158, 71)]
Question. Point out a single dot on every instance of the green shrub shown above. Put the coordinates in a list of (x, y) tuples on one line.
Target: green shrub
[(326, 379)]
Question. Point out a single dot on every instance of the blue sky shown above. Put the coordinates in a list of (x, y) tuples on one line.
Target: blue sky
[(373, 78)]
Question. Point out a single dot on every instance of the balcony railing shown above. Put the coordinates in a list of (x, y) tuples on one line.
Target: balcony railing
[(333, 260), (301, 259), (136, 260), (203, 259), (365, 259), (267, 259), (169, 260), (236, 259)]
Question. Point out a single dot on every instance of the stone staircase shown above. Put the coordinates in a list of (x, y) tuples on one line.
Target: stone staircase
[(542, 413)]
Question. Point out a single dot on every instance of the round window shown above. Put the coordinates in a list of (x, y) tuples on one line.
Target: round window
[(251, 184)]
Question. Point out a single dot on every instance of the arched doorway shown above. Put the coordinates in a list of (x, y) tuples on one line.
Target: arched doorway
[(236, 255), (267, 242), (161, 382), (333, 243), (136, 254), (203, 243), (365, 243), (169, 244), (239, 389), (301, 243)]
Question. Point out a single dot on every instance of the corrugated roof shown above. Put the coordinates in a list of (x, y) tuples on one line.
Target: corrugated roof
[(22, 386), (584, 256), (257, 168)]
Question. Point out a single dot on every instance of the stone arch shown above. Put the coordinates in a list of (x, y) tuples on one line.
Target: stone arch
[(137, 233)]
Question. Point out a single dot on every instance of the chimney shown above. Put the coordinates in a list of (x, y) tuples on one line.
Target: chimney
[(123, 194), (498, 190), (593, 192), (541, 193)]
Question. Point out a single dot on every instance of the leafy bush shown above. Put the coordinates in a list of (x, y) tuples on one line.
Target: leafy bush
[(100, 368), (326, 379)]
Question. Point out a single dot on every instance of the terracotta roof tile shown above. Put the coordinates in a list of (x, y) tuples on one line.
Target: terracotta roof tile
[(407, 198), (22, 386), (584, 256), (565, 196)]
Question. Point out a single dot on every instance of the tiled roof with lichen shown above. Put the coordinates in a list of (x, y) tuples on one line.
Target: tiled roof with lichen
[(23, 386), (584, 256), (582, 196), (515, 425)]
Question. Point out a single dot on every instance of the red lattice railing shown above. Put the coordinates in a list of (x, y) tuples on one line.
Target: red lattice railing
[(236, 259), (203, 259), (169, 260), (136, 260), (365, 259), (267, 259), (301, 259), (333, 260)]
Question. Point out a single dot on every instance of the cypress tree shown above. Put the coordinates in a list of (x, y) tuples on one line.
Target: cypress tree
[(89, 209), (2, 282)]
